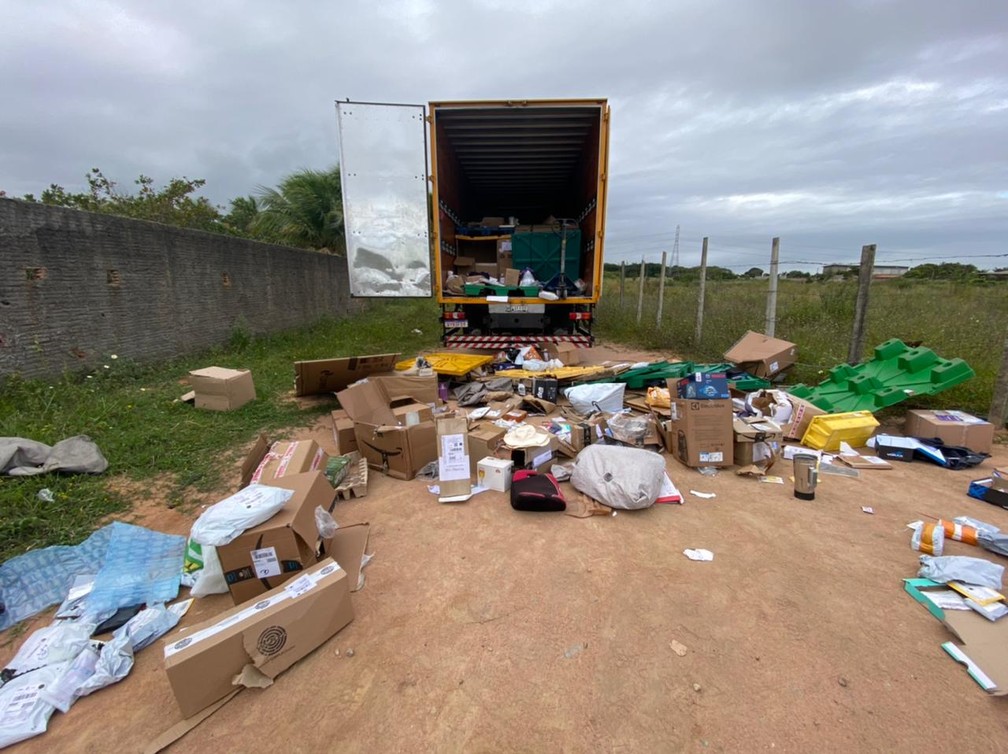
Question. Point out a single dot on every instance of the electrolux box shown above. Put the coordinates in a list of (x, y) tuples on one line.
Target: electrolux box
[(699, 433)]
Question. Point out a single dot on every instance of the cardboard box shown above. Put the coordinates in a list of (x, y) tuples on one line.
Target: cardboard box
[(454, 468), (408, 412), (583, 434), (545, 388), (259, 638), (276, 550), (512, 277), (952, 427), (347, 547), (761, 355), (494, 473), (757, 442), (891, 448), (981, 645), (422, 388), (492, 222), (484, 439), (220, 389), (463, 264), (489, 268), (503, 246), (343, 432), (701, 386), (329, 375), (568, 353), (535, 459), (270, 461), (999, 479), (802, 414), (699, 433)]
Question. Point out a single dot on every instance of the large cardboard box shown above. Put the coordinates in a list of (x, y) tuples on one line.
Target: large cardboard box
[(757, 442), (259, 638), (220, 389), (422, 388), (398, 450), (270, 461), (762, 355), (454, 470), (699, 433), (276, 550), (408, 412), (802, 414), (484, 439), (952, 427), (329, 375), (343, 432)]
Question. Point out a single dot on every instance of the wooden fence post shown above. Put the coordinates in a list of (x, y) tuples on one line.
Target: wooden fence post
[(859, 333), (998, 413), (622, 282), (640, 292), (770, 325), (661, 288), (700, 295)]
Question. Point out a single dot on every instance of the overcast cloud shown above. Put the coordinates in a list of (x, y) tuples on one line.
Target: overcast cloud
[(828, 124)]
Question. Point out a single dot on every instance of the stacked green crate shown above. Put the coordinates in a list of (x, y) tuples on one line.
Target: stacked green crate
[(540, 251)]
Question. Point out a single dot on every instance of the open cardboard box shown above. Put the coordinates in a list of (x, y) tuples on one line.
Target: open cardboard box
[(762, 355), (398, 450), (272, 460), (982, 644)]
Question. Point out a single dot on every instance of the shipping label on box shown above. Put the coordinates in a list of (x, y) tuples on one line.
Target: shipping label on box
[(267, 634), (454, 470)]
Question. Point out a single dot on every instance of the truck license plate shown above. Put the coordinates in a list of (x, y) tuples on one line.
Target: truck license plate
[(517, 308), (456, 323)]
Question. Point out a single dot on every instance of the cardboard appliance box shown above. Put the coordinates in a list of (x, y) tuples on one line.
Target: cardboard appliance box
[(220, 389), (266, 461), (583, 434), (952, 427), (701, 386), (484, 439), (494, 473), (329, 375), (343, 432), (276, 550), (454, 468), (699, 433), (761, 355), (262, 637)]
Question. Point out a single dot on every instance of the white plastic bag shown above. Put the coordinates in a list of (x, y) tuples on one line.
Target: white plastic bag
[(976, 571), (210, 578), (624, 478), (60, 642), (23, 711), (602, 396), (222, 522), (325, 523)]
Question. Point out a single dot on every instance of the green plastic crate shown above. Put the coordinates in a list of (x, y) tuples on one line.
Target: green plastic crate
[(540, 251)]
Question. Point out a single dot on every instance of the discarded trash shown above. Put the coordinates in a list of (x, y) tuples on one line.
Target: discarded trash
[(624, 478), (679, 649), (959, 568), (574, 650), (834, 470), (23, 457), (141, 567), (325, 523), (349, 653), (927, 538), (696, 687), (708, 470), (867, 509), (700, 555), (772, 479), (704, 495), (842, 681), (222, 522), (46, 495)]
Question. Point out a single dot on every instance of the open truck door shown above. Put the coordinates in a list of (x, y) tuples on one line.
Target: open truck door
[(383, 173)]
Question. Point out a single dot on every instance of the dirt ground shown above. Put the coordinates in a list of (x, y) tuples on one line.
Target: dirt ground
[(481, 628)]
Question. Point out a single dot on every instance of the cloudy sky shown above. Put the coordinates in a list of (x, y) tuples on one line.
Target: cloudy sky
[(829, 124)]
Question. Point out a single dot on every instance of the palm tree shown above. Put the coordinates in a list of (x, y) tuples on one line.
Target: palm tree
[(306, 210)]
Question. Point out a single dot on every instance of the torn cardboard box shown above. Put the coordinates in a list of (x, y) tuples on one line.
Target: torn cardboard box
[(757, 444), (762, 355), (270, 461), (348, 547), (329, 375), (276, 550), (254, 642), (220, 389)]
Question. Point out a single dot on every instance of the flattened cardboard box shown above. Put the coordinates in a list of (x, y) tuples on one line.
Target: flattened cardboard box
[(329, 375), (952, 427), (276, 550), (272, 460), (220, 389), (257, 639), (762, 355), (700, 432)]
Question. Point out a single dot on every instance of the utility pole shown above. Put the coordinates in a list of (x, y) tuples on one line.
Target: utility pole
[(700, 295)]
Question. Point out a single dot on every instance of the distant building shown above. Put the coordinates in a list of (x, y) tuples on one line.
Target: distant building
[(879, 272)]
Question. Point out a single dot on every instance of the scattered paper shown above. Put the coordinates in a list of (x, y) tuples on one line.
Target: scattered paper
[(679, 649), (946, 599), (772, 479), (868, 509), (434, 489), (702, 555), (704, 495), (668, 492)]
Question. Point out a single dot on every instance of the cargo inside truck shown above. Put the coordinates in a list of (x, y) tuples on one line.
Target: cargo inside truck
[(519, 186)]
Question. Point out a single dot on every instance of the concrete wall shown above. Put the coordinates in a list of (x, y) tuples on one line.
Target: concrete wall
[(77, 286)]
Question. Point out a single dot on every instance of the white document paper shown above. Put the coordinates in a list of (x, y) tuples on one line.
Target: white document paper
[(453, 461)]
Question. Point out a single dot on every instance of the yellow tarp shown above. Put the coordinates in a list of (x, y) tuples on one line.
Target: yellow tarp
[(450, 364), (562, 373)]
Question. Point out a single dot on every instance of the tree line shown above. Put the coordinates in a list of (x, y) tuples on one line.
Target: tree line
[(305, 210), (943, 271)]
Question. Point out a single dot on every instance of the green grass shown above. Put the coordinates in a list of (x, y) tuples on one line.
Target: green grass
[(129, 411), (962, 320)]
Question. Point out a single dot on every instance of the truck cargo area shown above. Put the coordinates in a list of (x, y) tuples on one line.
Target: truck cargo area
[(515, 185)]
